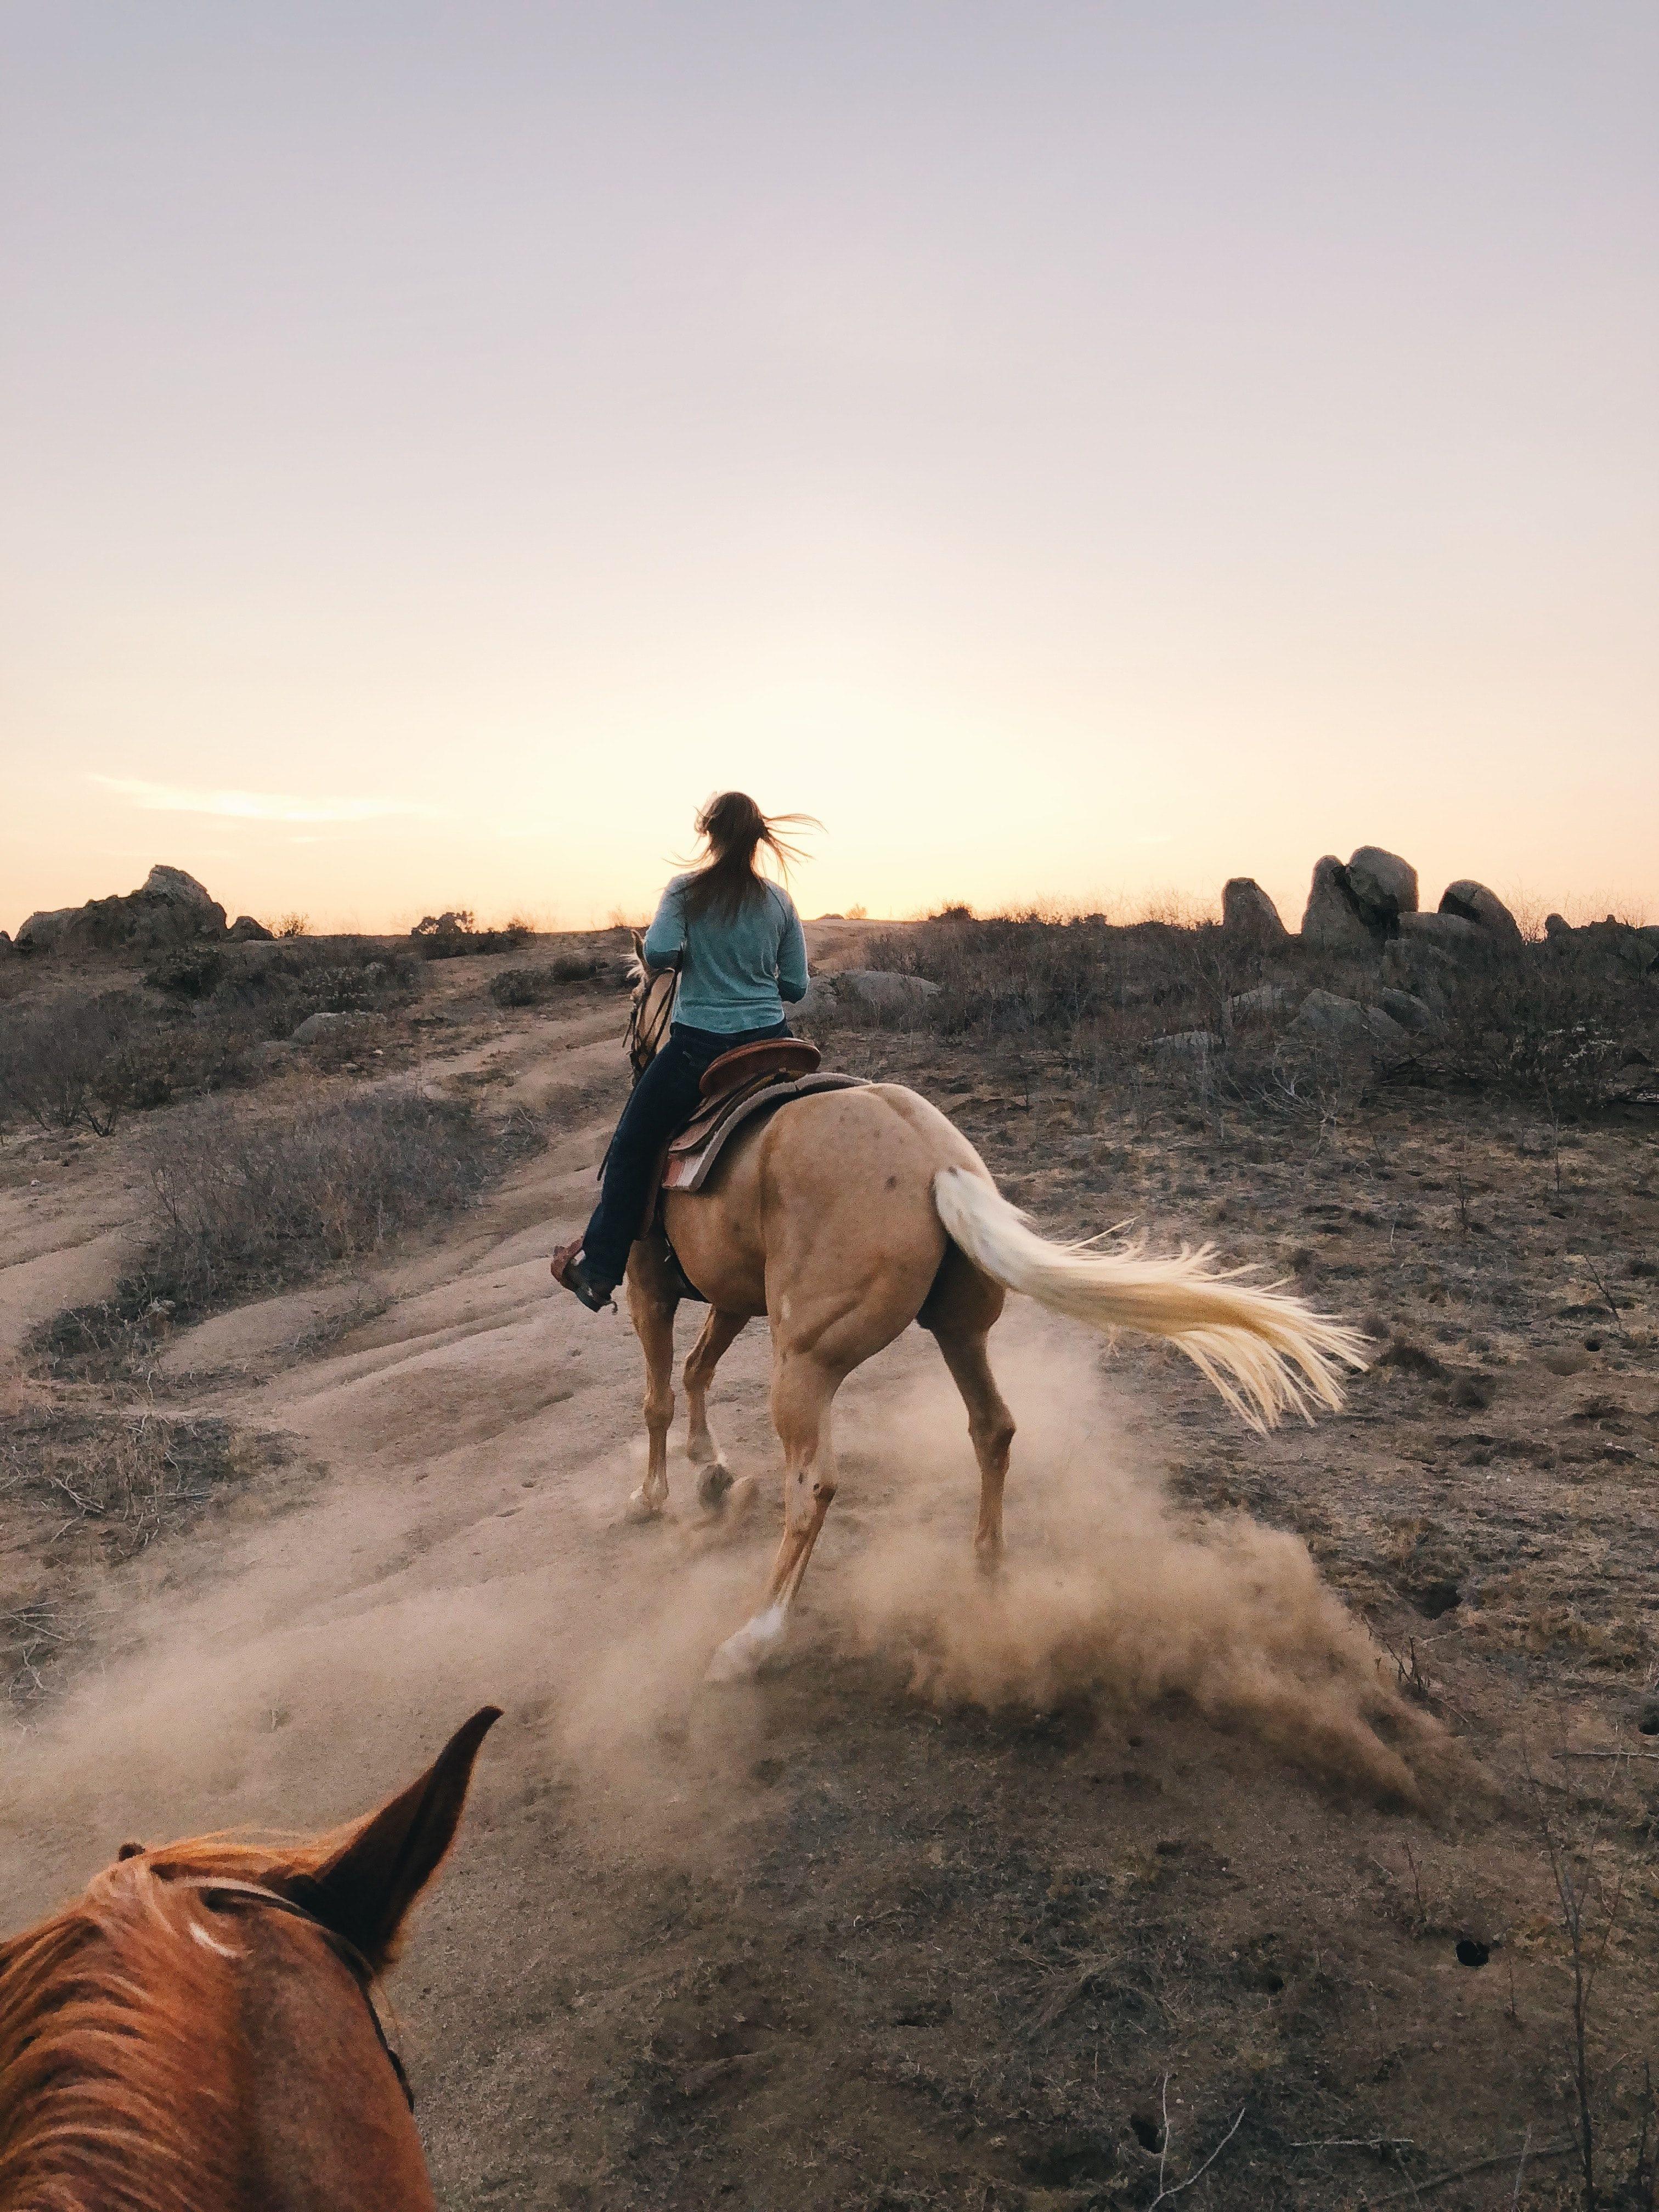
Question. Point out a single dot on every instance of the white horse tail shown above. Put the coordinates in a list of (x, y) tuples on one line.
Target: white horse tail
[(1267, 1352)]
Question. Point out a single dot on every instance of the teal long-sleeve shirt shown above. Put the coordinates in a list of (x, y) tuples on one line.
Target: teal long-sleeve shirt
[(738, 970)]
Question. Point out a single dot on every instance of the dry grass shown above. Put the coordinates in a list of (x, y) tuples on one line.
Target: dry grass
[(245, 1204)]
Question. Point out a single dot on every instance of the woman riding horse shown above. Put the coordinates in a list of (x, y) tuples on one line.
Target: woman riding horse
[(737, 939)]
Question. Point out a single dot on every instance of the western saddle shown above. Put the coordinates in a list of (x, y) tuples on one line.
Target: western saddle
[(751, 1080)]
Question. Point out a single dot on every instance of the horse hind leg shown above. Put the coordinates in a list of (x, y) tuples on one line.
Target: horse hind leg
[(801, 1391), (715, 1339), (652, 1308), (990, 1426), (960, 1310)]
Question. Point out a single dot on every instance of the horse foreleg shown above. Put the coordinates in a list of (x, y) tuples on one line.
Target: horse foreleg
[(652, 1306), (714, 1339), (801, 1391)]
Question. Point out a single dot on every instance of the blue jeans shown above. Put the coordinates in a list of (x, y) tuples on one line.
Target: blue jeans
[(664, 1099)]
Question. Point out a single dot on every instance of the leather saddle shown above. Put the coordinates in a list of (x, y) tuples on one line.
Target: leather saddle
[(751, 1080)]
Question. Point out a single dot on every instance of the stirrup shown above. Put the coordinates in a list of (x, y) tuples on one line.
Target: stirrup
[(570, 1275)]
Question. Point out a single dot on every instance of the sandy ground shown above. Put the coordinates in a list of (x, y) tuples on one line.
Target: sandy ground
[(982, 1899)]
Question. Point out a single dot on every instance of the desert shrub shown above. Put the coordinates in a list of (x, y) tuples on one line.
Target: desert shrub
[(245, 1203), (1556, 1030), (270, 997), (1078, 983), (60, 1063), (454, 936), (532, 987), (189, 972)]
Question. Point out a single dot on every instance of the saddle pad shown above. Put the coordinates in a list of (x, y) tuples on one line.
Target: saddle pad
[(692, 1154)]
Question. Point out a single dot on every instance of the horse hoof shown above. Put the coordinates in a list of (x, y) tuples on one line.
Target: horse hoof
[(712, 1486), (740, 1657), (640, 1509)]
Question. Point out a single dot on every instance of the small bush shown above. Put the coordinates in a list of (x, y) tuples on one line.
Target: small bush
[(189, 972), (454, 936), (532, 987), (246, 1203)]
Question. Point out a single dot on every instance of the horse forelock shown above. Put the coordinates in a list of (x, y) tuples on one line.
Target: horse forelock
[(117, 2065)]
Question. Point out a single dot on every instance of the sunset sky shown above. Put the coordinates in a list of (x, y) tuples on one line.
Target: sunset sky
[(1078, 452)]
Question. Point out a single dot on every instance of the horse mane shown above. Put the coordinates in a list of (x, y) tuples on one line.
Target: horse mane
[(106, 2098)]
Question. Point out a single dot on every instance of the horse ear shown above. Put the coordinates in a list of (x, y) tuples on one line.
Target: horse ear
[(638, 936), (364, 1892)]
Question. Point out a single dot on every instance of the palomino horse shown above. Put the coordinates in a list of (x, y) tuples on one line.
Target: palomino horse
[(197, 2033), (845, 1216)]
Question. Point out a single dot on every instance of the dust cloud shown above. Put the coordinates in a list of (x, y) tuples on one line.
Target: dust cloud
[(1110, 1594), (287, 1671)]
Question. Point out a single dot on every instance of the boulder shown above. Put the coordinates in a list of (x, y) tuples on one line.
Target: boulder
[(168, 909), (1411, 1013), (819, 1003), (1451, 934), (1473, 901), (1556, 925), (1249, 914), (322, 1025), (1382, 886), (42, 931), (1332, 919), (1410, 963), (246, 931), (1325, 1019), (882, 991)]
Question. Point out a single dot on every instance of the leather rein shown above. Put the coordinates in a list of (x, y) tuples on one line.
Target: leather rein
[(212, 1887)]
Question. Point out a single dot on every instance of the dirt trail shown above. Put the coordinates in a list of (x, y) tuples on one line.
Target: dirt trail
[(838, 1938)]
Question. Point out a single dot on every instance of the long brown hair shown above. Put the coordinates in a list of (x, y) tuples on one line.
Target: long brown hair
[(734, 829)]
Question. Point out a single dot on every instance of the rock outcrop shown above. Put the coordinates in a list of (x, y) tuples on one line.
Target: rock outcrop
[(1248, 913), (168, 909), (246, 931)]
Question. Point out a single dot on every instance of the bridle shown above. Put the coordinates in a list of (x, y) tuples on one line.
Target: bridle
[(219, 1888), (651, 1015)]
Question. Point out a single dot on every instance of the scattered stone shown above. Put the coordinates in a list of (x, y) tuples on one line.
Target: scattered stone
[(1324, 1018), (326, 1024), (1332, 919), (1248, 913), (1265, 998), (1195, 1045), (246, 931), (1473, 901), (882, 991), (1383, 885)]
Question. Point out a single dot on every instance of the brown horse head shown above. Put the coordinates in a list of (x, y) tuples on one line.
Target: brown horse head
[(197, 2032)]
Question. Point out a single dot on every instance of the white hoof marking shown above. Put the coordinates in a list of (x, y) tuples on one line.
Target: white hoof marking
[(740, 1656)]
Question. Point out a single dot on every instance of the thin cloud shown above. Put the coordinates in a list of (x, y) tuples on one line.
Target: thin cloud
[(257, 805)]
